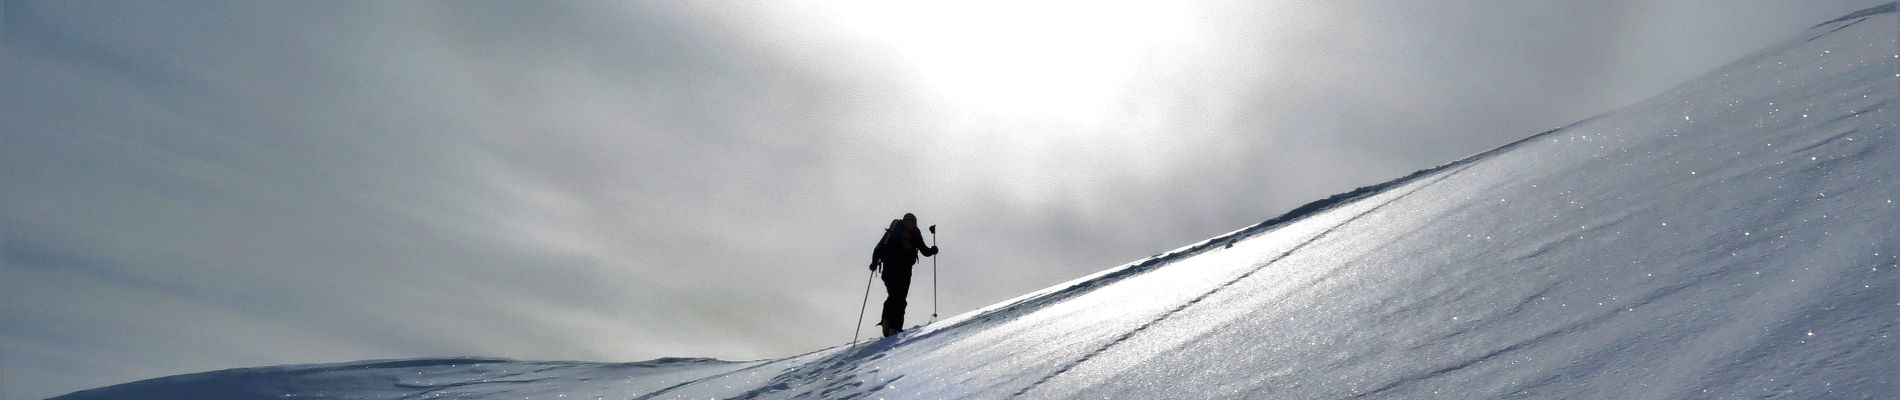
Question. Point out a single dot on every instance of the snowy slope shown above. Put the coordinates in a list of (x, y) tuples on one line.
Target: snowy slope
[(424, 378), (1733, 237)]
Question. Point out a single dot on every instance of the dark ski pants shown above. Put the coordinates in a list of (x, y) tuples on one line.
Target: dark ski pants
[(897, 287)]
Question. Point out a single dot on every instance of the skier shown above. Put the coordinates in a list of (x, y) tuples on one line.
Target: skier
[(896, 252)]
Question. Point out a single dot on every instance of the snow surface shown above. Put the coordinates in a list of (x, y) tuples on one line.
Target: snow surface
[(1733, 237)]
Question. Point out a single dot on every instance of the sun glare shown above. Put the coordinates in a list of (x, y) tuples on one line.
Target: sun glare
[(1053, 59)]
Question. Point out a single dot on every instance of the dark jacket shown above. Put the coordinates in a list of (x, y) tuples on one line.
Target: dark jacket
[(899, 252)]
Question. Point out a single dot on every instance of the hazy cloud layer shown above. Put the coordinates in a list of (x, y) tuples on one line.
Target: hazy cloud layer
[(213, 185)]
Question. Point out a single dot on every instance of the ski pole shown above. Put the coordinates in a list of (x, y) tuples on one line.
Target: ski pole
[(855, 328), (933, 275)]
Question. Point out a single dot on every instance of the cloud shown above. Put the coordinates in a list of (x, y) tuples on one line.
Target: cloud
[(204, 186)]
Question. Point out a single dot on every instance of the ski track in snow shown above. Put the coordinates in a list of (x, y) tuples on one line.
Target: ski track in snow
[(1262, 266)]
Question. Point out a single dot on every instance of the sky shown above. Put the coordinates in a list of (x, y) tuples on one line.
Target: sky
[(193, 186)]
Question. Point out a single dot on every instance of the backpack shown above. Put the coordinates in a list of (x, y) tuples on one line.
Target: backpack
[(892, 242)]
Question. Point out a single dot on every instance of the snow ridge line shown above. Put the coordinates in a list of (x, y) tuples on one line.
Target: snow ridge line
[(297, 370), (1230, 283), (1091, 282)]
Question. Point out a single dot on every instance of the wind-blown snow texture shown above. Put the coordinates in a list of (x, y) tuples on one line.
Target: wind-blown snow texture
[(1733, 237)]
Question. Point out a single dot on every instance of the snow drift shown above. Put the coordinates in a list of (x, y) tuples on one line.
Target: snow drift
[(1732, 237)]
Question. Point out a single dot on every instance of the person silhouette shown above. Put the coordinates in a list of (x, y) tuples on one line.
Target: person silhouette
[(896, 252)]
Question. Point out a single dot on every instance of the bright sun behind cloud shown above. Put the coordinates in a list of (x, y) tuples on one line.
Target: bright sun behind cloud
[(1050, 59)]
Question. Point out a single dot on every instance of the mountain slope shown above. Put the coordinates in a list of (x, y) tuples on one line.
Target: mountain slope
[(1732, 237)]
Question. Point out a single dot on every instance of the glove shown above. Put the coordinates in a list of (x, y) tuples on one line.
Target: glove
[(874, 265)]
